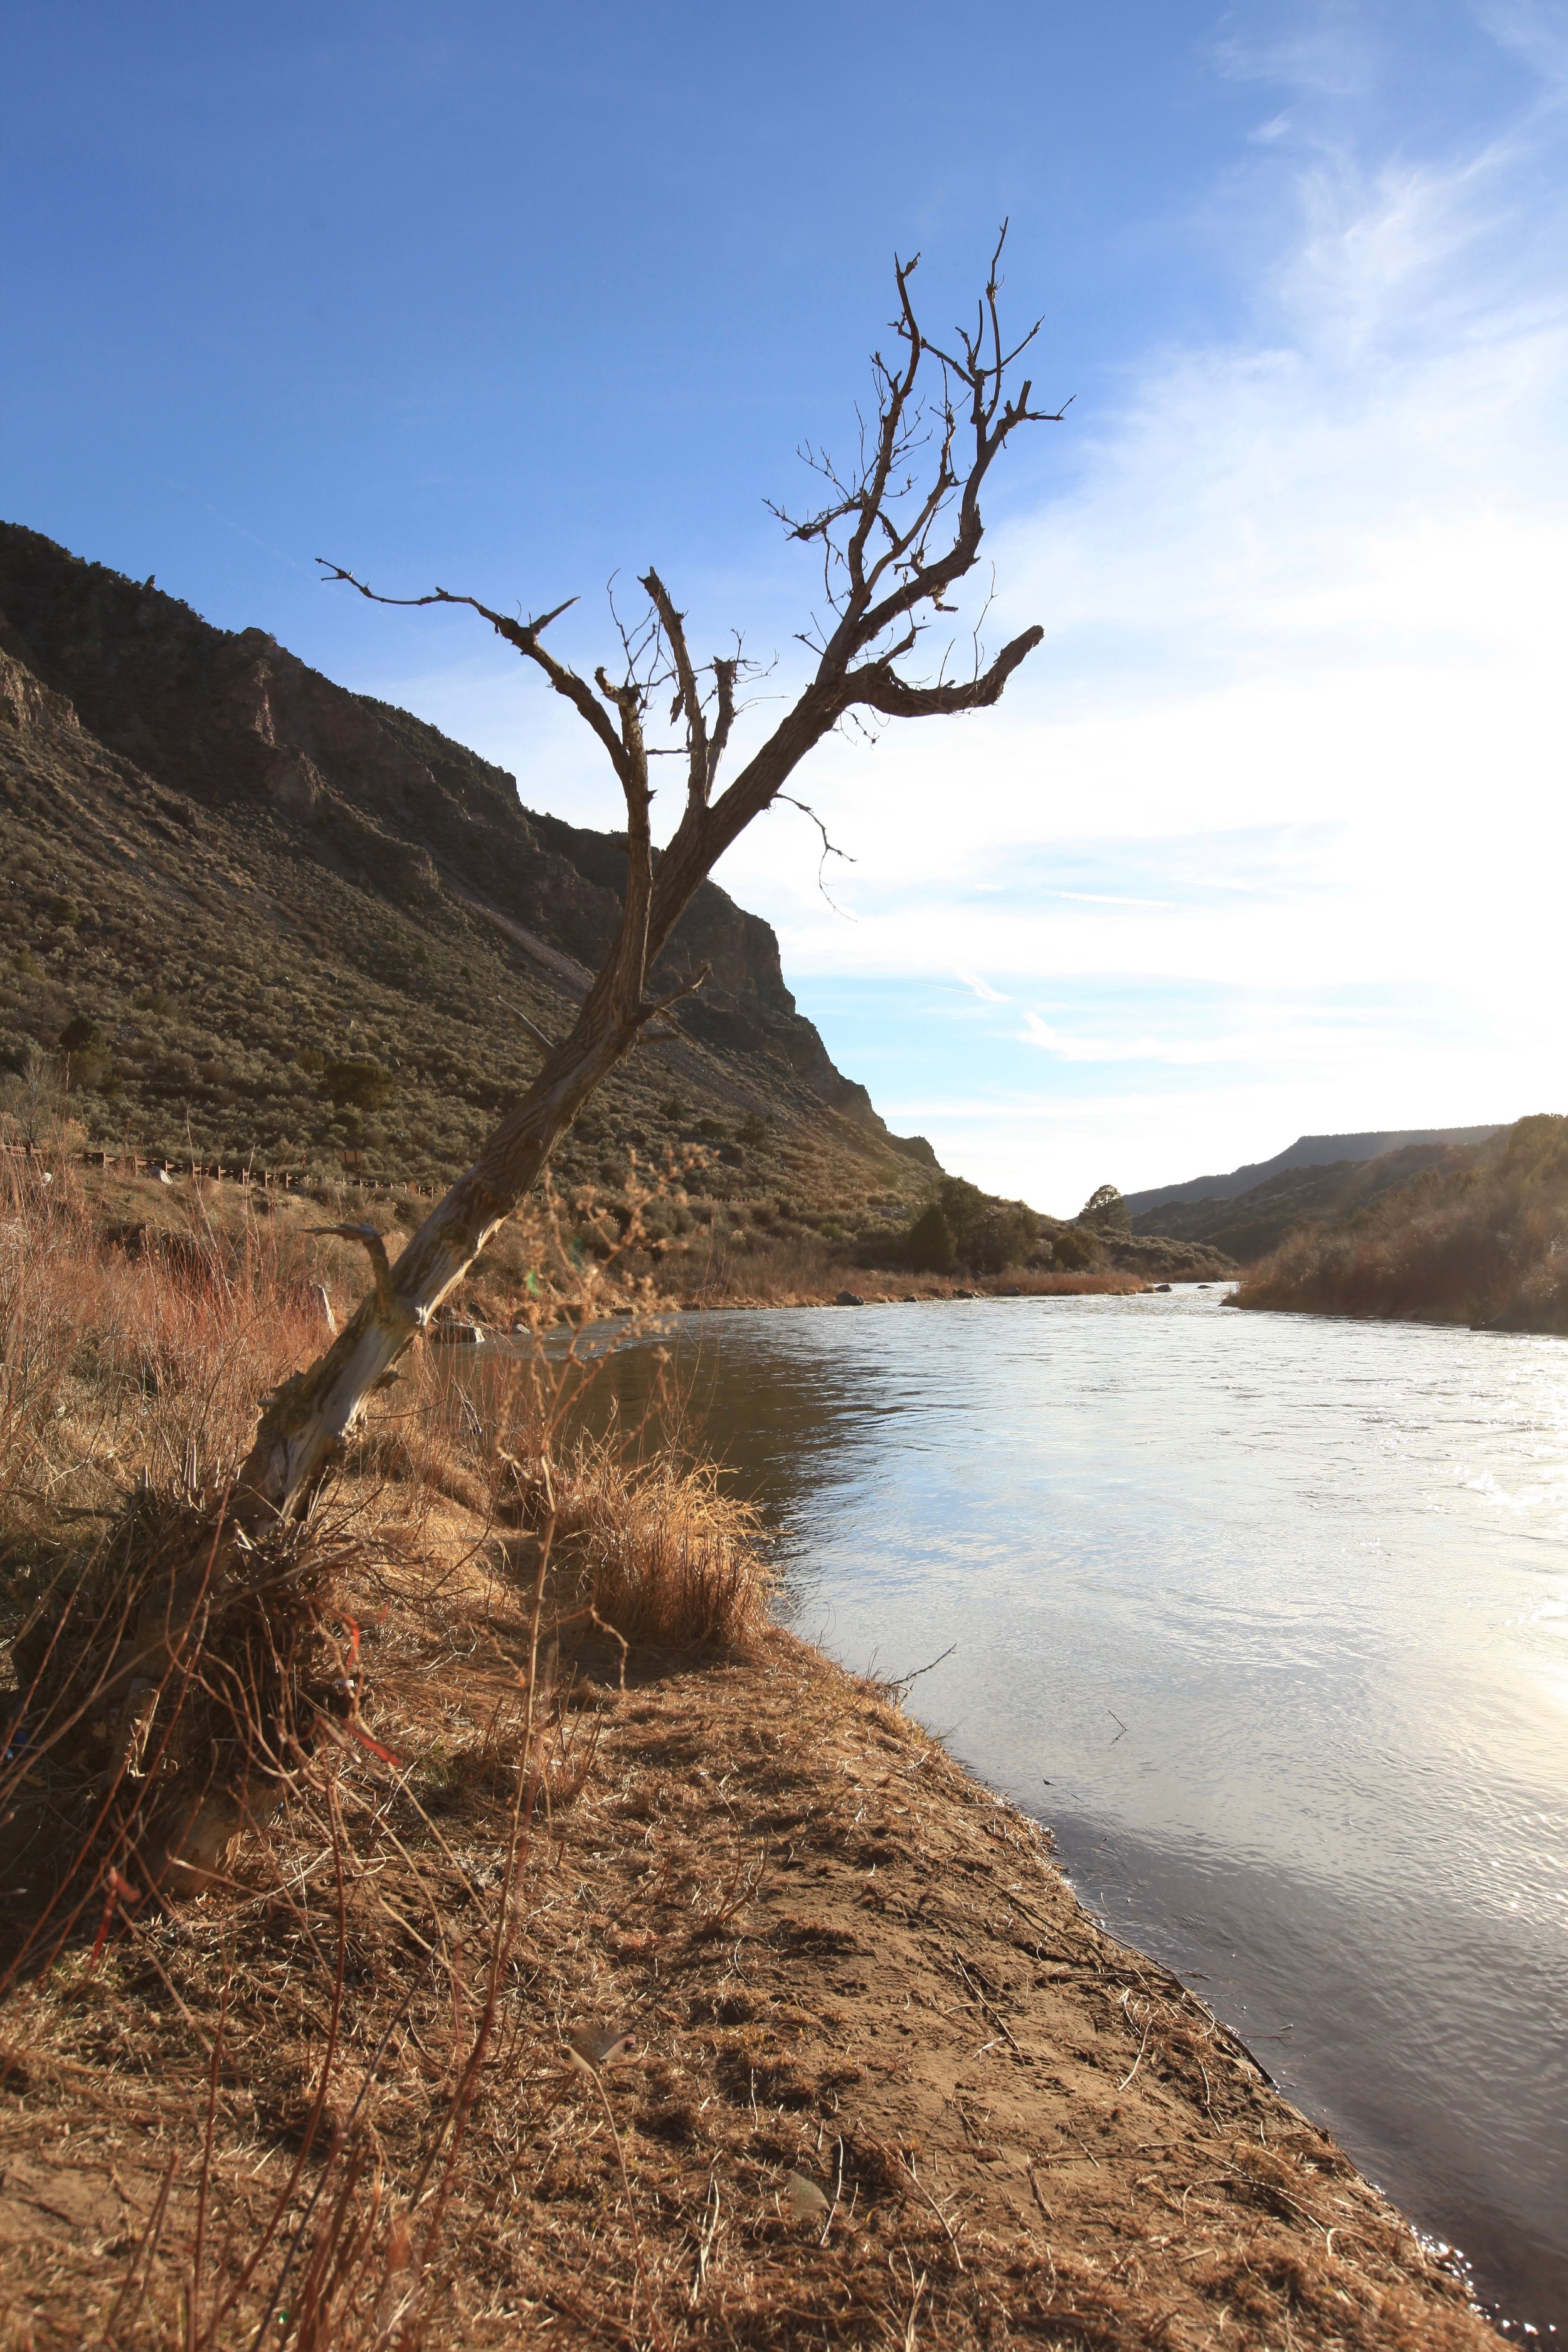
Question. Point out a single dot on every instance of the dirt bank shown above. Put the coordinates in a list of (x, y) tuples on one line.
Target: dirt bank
[(885, 2082), (680, 1992)]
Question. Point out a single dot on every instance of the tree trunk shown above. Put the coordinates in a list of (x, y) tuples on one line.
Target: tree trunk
[(305, 1423)]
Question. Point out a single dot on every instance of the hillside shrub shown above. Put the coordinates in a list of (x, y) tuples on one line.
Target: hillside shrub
[(81, 1035), (1007, 1234), (1076, 1248), (929, 1247), (357, 1084)]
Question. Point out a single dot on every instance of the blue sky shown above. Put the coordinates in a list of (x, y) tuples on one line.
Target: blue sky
[(1269, 835)]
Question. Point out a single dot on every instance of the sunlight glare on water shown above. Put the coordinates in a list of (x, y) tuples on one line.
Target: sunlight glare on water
[(1267, 1616)]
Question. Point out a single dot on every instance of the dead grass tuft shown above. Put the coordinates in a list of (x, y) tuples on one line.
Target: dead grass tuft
[(653, 1550)]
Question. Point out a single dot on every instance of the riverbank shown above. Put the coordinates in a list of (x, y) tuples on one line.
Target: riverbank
[(870, 2074), (563, 1260), (660, 1983)]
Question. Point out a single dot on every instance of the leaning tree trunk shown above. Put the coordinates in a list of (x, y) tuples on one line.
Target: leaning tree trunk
[(306, 1421)]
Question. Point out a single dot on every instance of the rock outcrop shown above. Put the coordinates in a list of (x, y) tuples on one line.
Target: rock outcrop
[(242, 872)]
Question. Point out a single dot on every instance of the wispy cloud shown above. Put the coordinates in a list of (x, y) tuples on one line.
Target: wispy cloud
[(1324, 51), (1278, 1045), (1295, 733), (982, 988), (1298, 722), (1537, 30)]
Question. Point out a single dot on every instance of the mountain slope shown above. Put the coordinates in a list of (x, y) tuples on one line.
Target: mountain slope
[(1480, 1238), (260, 914), (1307, 1152), (1249, 1226)]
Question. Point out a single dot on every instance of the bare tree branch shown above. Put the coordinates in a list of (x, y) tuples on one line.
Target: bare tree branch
[(524, 635), (688, 703), (689, 987), (829, 849), (879, 686)]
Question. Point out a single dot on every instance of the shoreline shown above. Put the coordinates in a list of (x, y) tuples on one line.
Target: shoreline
[(675, 1989), (1508, 1326), (651, 1318), (870, 2072)]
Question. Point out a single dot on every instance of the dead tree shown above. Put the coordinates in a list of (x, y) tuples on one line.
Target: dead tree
[(897, 532)]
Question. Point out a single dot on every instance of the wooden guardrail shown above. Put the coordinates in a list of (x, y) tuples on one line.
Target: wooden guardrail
[(268, 1179)]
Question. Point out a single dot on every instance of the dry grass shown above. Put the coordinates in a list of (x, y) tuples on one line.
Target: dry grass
[(791, 1273), (653, 1552), (755, 2022), (1486, 1243), (570, 1985), (118, 1366)]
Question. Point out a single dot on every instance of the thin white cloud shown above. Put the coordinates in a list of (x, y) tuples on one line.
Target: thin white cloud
[(1537, 30), (1326, 51), (1265, 133), (1280, 1045)]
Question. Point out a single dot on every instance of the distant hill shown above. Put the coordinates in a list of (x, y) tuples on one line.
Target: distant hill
[(1251, 1223), (1307, 1152), (246, 911), (1479, 1236)]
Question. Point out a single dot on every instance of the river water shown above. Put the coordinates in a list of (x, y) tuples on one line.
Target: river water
[(1267, 1617)]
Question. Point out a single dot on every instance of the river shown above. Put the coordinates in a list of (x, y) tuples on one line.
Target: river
[(1267, 1617)]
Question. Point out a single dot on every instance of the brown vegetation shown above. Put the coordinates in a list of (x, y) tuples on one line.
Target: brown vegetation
[(661, 1241), (1484, 1242), (599, 1965)]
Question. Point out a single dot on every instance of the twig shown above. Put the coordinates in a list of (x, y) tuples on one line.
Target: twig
[(705, 2242), (838, 2192), (1148, 2022), (972, 1984), (902, 1682), (192, 2303), (313, 2121), (655, 2323), (936, 2208), (146, 2246)]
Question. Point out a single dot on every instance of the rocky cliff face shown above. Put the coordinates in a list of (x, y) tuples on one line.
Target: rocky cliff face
[(237, 873)]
